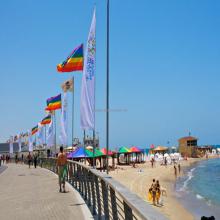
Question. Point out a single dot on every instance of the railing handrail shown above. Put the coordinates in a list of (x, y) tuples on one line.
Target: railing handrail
[(138, 205)]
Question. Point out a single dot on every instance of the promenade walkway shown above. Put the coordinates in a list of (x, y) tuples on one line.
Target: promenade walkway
[(33, 194)]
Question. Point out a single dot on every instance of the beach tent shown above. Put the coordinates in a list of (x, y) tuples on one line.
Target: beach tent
[(80, 152), (160, 149), (135, 150), (104, 151), (126, 152), (97, 153), (139, 154)]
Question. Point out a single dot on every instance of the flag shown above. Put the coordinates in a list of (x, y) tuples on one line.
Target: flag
[(11, 150), (54, 103), (50, 135), (19, 142), (46, 120), (34, 130), (63, 121), (68, 85), (87, 105), (30, 143), (40, 134), (74, 62)]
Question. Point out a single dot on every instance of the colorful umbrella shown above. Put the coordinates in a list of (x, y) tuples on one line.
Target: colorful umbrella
[(124, 150), (104, 151), (135, 149)]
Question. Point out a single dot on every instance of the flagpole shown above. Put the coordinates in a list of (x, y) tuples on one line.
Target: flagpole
[(55, 133), (93, 150), (107, 89), (45, 135), (84, 143), (73, 116)]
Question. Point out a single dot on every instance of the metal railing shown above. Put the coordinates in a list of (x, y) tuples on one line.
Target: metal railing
[(106, 198)]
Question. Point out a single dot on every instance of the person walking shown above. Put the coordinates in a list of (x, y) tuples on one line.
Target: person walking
[(175, 170), (62, 168), (152, 162), (158, 192), (29, 159), (35, 161), (154, 191), (179, 168)]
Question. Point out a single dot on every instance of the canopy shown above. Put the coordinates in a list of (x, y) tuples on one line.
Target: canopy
[(104, 151), (97, 152), (78, 153), (124, 150), (160, 148), (135, 149)]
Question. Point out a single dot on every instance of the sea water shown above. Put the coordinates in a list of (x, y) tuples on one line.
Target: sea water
[(199, 189)]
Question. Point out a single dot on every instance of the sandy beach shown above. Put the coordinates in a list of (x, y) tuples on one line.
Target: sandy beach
[(139, 183)]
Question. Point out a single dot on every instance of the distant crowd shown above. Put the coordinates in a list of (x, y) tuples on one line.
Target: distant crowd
[(29, 159)]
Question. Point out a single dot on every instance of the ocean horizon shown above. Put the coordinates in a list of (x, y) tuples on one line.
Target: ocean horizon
[(199, 190)]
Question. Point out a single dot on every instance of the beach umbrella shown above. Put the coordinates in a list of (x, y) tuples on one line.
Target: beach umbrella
[(78, 153), (135, 150), (124, 150), (97, 153), (104, 151)]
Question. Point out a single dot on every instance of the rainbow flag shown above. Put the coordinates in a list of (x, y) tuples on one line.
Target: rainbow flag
[(46, 120), (34, 130), (54, 103), (74, 62)]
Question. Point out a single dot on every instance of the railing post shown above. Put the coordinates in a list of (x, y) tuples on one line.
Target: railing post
[(97, 198), (127, 211), (105, 199), (114, 210), (93, 193), (88, 177)]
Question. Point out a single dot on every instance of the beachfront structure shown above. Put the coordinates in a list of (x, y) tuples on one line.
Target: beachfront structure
[(188, 146), (88, 141)]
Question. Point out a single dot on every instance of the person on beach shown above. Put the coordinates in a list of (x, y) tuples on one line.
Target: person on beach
[(175, 170), (29, 158), (3, 158), (165, 161), (158, 192), (62, 168), (152, 162), (179, 168), (16, 158), (154, 191), (35, 161)]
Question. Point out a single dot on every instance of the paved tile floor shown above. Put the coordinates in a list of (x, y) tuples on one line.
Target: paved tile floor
[(29, 194)]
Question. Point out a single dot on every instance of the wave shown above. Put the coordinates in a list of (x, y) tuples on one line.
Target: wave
[(199, 197), (186, 182)]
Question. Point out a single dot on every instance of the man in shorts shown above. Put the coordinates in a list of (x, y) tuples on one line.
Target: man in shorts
[(62, 168)]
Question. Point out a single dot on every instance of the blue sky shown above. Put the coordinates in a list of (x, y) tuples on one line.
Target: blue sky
[(164, 66)]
